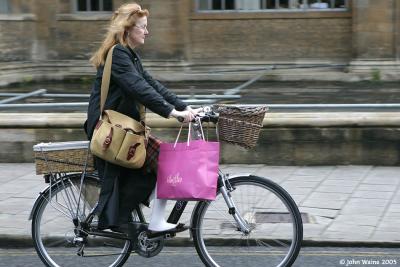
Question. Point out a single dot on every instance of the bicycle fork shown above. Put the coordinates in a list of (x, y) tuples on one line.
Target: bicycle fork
[(243, 226)]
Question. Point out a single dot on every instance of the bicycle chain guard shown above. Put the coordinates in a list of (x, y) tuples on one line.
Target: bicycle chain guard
[(148, 248), (141, 243)]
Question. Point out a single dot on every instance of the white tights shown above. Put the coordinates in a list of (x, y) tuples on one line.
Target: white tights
[(157, 221)]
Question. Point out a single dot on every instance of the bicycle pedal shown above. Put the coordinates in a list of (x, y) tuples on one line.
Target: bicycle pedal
[(166, 236), (154, 239), (169, 236)]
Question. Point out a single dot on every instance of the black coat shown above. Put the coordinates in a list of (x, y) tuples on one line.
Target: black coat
[(122, 189)]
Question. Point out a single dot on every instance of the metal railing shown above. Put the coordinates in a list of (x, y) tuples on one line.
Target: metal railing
[(6, 104), (194, 99), (80, 106)]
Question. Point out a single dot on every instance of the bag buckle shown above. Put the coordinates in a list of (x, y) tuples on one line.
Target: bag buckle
[(108, 140), (132, 151)]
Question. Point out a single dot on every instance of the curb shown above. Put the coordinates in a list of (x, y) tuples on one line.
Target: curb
[(15, 241), (25, 241), (346, 243)]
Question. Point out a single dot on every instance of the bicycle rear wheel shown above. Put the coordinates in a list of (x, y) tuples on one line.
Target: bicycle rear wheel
[(54, 231), (276, 229)]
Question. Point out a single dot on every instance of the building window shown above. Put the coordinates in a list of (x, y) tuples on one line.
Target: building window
[(4, 7), (271, 5), (94, 5)]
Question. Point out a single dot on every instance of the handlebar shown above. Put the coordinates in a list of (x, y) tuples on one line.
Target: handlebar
[(207, 115)]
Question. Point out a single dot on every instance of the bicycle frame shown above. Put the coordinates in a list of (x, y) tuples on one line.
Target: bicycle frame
[(225, 190), (223, 187), (238, 215)]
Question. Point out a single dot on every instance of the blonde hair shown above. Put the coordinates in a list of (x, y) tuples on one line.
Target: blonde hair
[(123, 18)]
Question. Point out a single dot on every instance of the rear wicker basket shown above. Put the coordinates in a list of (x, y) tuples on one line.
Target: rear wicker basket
[(240, 125), (62, 157)]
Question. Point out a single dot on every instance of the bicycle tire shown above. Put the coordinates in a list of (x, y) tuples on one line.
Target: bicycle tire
[(53, 229), (267, 244)]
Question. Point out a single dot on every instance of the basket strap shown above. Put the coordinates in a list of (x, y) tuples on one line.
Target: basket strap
[(105, 85)]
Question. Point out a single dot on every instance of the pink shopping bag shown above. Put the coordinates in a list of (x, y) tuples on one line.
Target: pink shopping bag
[(188, 171)]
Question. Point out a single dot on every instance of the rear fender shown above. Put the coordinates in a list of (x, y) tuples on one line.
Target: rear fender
[(44, 192), (47, 189)]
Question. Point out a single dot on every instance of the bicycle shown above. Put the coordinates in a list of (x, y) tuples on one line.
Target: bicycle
[(254, 216)]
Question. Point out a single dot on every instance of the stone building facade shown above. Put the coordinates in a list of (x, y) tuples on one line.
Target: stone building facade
[(186, 35)]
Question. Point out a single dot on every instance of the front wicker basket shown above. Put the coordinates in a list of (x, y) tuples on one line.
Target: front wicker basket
[(62, 157), (240, 125)]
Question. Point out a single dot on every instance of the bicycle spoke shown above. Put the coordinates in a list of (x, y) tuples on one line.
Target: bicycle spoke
[(56, 238), (256, 202), (61, 211)]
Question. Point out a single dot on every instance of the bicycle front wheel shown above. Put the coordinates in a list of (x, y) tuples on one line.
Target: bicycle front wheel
[(57, 213), (268, 211)]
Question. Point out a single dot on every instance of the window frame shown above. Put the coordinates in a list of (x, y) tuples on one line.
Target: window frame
[(263, 8), (89, 7), (7, 7)]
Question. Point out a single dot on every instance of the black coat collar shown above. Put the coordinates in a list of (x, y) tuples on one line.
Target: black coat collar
[(133, 53)]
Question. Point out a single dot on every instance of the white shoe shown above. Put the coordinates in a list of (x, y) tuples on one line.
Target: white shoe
[(157, 221), (161, 226)]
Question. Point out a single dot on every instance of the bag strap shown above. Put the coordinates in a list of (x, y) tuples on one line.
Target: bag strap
[(142, 112), (105, 86), (179, 134), (189, 130)]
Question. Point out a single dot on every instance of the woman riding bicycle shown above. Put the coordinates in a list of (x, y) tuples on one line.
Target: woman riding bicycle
[(122, 189)]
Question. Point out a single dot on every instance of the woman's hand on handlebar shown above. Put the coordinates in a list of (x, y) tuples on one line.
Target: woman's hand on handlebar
[(189, 114), (194, 111), (183, 116)]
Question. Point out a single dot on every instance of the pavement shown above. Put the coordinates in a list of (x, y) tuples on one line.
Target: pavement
[(357, 205)]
